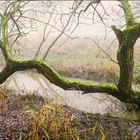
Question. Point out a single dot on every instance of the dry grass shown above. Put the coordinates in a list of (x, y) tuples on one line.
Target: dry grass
[(55, 122), (47, 120), (85, 64), (81, 59), (40, 119)]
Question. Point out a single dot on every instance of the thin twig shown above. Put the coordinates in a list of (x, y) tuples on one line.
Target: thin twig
[(102, 50)]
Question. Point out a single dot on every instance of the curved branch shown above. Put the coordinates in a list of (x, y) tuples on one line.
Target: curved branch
[(103, 50), (5, 74), (44, 69)]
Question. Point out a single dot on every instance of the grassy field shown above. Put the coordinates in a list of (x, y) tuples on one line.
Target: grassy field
[(89, 62), (81, 58), (84, 66)]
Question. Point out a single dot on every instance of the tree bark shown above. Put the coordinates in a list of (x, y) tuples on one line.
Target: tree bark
[(126, 62), (125, 56)]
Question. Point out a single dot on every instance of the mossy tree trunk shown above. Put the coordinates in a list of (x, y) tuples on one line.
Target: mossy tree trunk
[(126, 63), (125, 54)]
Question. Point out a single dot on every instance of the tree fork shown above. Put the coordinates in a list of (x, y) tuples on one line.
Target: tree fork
[(125, 55)]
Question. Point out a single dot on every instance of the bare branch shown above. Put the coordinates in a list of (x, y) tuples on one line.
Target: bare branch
[(118, 33), (44, 36), (26, 17), (19, 32), (66, 25), (102, 50)]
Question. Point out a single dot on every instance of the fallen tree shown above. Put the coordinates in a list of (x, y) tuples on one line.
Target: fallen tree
[(123, 90)]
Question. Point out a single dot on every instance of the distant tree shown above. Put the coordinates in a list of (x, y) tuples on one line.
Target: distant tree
[(125, 55)]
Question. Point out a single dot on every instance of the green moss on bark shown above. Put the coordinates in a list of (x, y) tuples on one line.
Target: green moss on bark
[(87, 87)]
